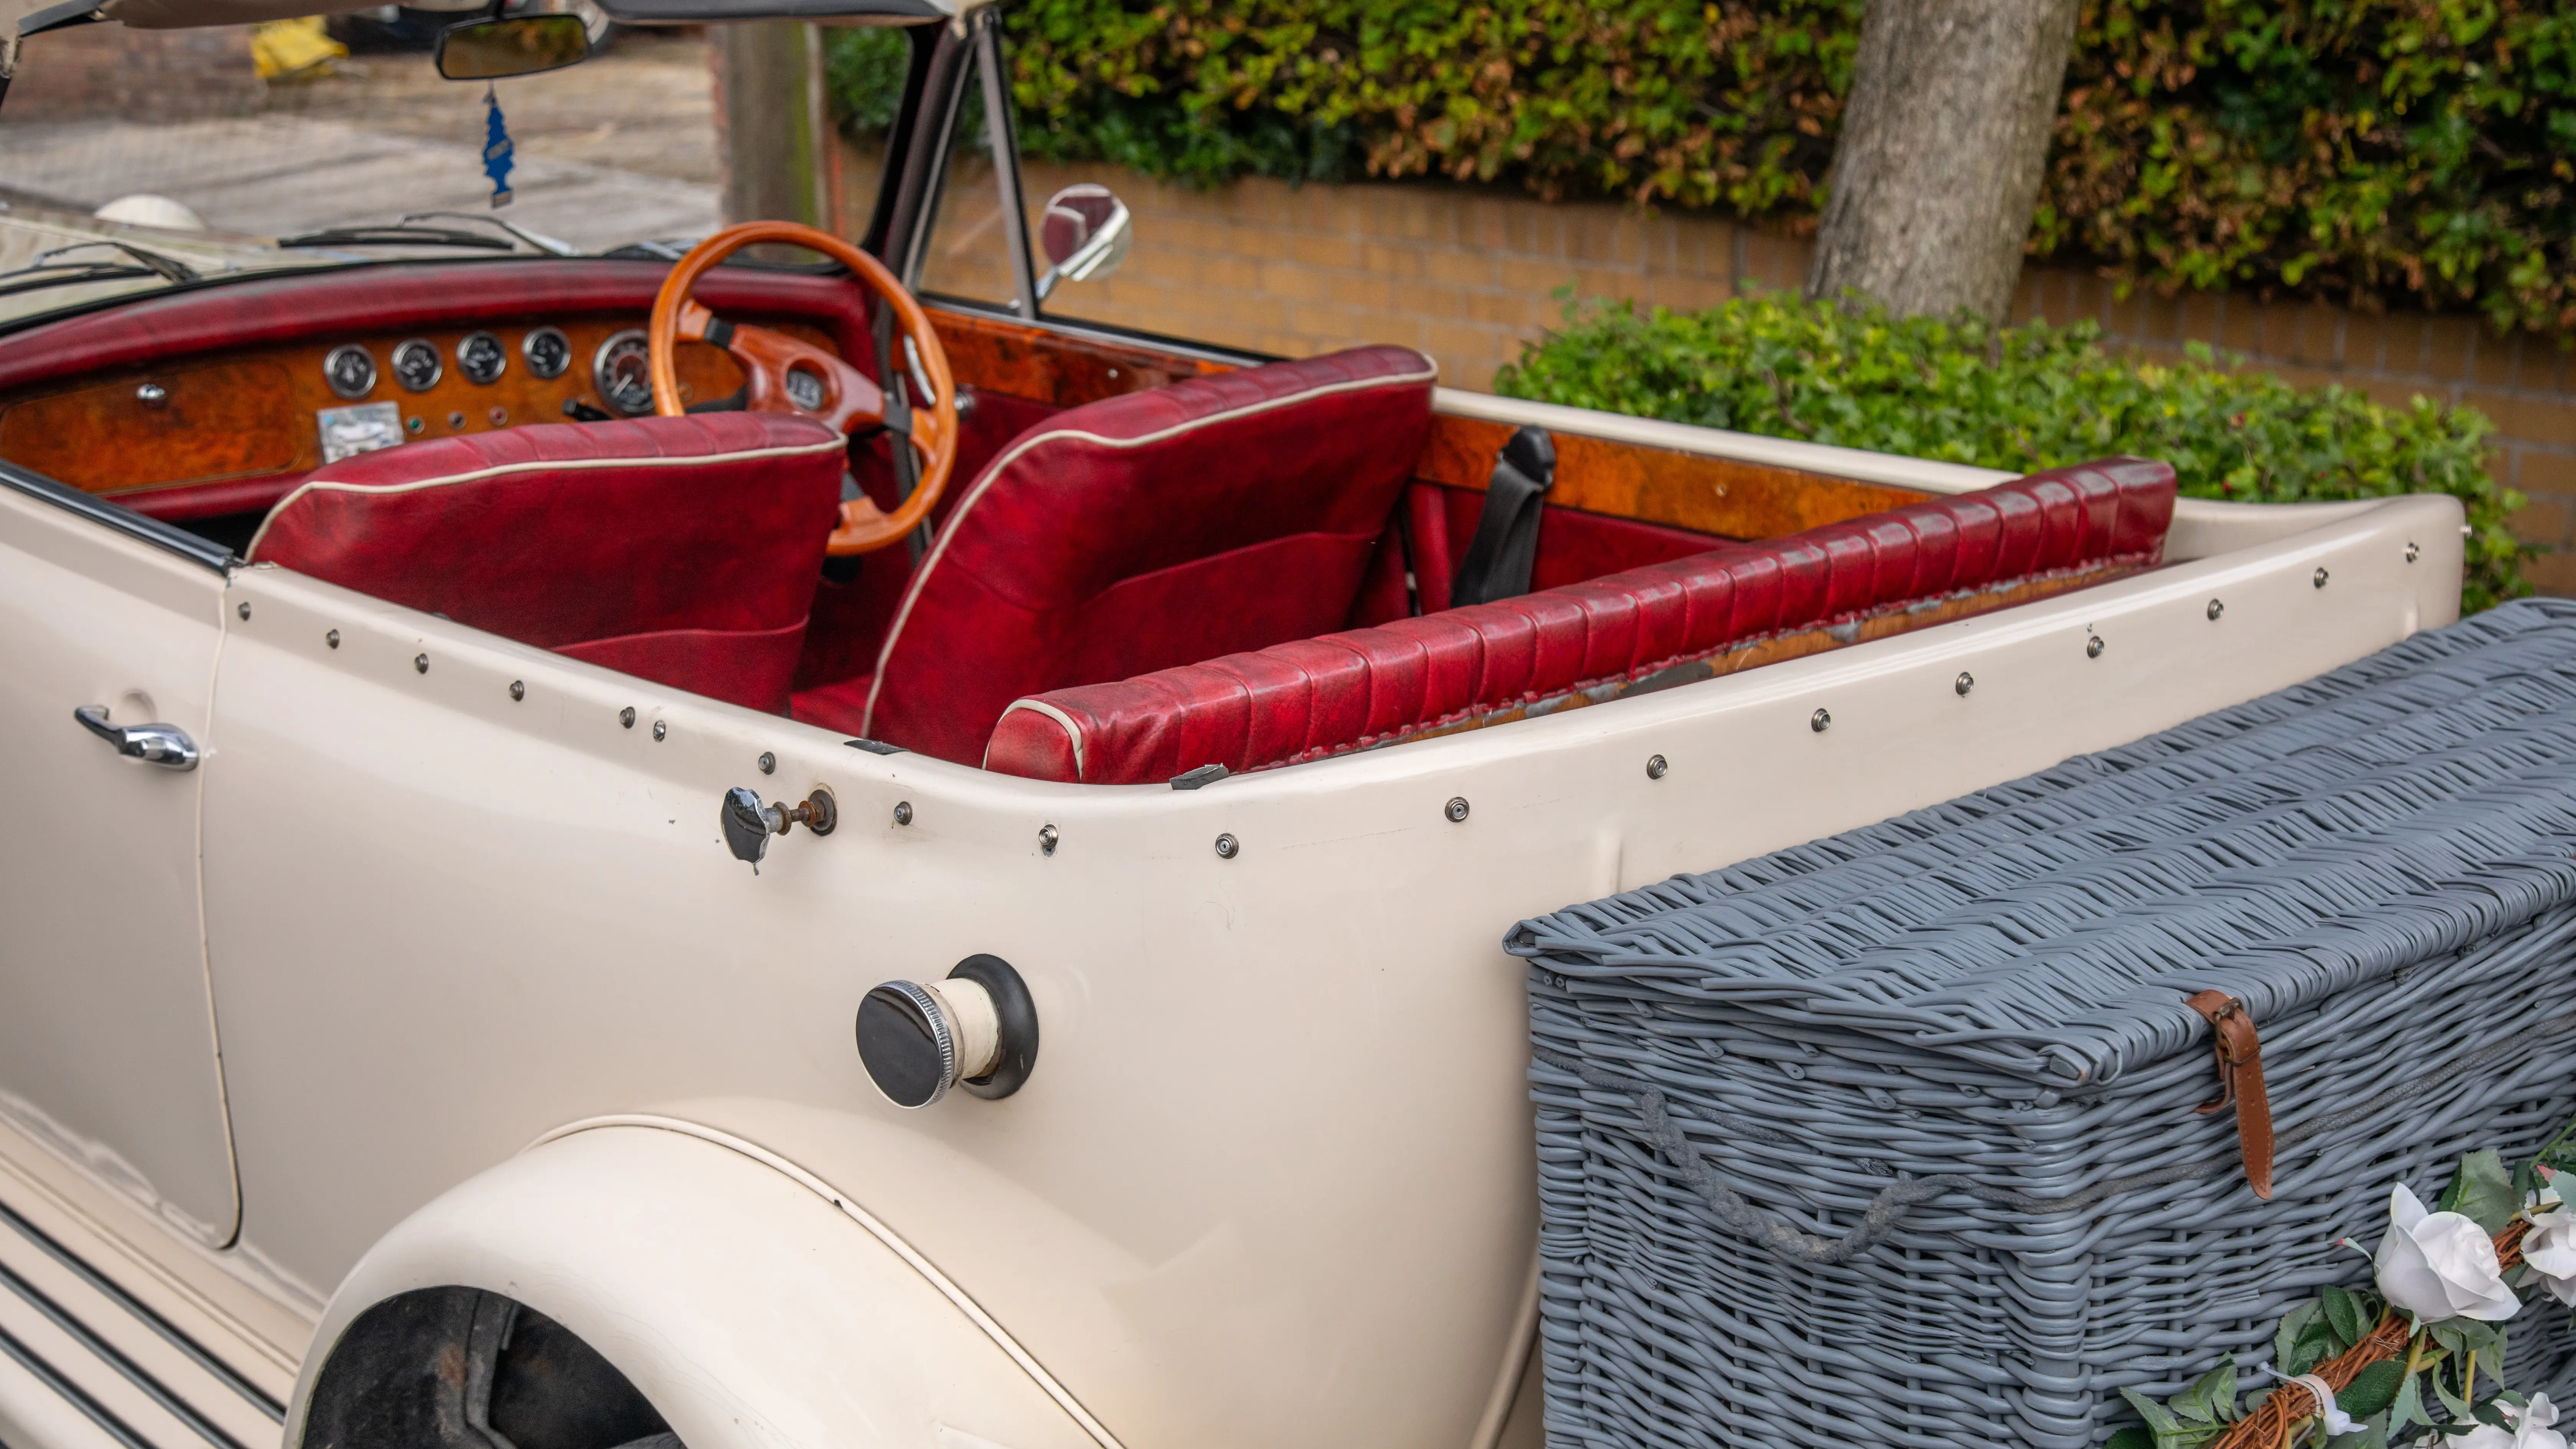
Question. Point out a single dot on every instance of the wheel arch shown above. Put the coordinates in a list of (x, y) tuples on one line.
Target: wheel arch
[(747, 1304)]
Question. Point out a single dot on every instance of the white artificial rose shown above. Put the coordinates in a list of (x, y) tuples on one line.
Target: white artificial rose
[(2550, 1249), (2438, 1266), (2530, 1429)]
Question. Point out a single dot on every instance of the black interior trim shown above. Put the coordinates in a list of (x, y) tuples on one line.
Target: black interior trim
[(177, 540)]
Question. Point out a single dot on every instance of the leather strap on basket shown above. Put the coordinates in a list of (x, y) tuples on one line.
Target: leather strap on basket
[(2240, 1080)]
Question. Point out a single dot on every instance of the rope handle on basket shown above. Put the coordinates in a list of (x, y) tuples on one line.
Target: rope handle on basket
[(2240, 1080), (2268, 1427)]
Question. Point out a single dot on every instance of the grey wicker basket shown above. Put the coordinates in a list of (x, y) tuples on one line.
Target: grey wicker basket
[(1744, 1079)]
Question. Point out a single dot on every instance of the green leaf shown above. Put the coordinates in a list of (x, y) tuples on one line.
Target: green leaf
[(2131, 1437), (2343, 1314), (2211, 1399), (2160, 1422), (2372, 1389), (2408, 1407), (2482, 1191), (2285, 1339)]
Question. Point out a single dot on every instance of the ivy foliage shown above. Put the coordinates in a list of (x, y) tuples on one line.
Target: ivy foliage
[(2363, 150), (2021, 398)]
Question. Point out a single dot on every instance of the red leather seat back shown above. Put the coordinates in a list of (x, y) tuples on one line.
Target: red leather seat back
[(683, 550), (1582, 643), (1221, 513)]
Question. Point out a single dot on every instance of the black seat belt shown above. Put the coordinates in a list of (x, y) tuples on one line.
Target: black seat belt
[(1505, 548)]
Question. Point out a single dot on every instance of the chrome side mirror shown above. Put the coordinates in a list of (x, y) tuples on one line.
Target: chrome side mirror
[(512, 45), (1085, 232)]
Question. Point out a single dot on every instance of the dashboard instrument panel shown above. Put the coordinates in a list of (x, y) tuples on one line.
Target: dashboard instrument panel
[(282, 410)]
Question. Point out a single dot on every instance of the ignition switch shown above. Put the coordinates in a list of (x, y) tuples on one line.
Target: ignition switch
[(977, 1029)]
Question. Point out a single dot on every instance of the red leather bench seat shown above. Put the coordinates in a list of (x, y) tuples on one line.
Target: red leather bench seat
[(1648, 627)]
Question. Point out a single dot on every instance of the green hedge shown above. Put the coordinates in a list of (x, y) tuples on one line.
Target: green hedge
[(2021, 398), (2354, 149)]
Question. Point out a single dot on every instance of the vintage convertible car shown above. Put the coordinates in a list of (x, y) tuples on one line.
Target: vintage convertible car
[(559, 798)]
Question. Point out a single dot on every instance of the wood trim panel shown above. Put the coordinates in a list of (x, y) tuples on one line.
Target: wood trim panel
[(1653, 485), (254, 413), (993, 355)]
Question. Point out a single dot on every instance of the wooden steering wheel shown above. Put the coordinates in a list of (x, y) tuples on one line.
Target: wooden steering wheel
[(787, 376)]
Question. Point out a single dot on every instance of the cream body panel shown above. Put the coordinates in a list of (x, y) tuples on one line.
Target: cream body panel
[(750, 1308), (1271, 1182), (107, 1044)]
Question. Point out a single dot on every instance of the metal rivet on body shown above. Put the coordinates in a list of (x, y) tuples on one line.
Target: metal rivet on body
[(661, 729), (2320, 579), (242, 608), (331, 637), (2093, 647), (1227, 847), (1456, 809), (903, 812), (1821, 721), (1964, 683), (420, 663), (626, 717), (518, 690), (2215, 609), (2413, 553), (768, 763), (1655, 767), (1047, 837)]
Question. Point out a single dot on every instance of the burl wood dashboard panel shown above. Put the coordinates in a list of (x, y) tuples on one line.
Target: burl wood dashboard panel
[(256, 413)]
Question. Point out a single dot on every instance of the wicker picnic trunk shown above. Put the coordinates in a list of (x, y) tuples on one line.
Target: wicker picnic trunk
[(1732, 1071)]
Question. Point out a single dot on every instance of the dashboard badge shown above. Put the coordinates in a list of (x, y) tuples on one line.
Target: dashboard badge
[(417, 365), (351, 370)]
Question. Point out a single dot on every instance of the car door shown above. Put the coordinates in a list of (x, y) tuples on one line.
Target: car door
[(107, 1037)]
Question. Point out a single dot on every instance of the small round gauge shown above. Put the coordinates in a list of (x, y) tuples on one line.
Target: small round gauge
[(622, 371), (482, 358), (804, 389), (416, 364), (548, 351), (351, 370)]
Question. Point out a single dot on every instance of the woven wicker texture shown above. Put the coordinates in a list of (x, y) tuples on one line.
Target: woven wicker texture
[(2377, 861)]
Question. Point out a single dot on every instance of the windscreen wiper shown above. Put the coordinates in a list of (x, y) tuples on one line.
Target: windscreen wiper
[(47, 272), (396, 235), (551, 246)]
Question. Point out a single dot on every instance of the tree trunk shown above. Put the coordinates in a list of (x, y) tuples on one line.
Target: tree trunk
[(769, 106), (1943, 143)]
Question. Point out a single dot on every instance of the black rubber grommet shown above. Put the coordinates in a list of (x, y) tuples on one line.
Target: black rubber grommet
[(1018, 1015)]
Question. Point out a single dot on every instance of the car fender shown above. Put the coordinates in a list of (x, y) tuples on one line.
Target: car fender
[(742, 1296)]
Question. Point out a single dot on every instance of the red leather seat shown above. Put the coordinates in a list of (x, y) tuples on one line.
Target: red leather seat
[(1222, 513), (683, 550), (1652, 627)]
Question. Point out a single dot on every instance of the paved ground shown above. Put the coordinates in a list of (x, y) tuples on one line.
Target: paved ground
[(617, 149)]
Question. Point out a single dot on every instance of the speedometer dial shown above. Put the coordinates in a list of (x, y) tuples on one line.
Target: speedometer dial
[(482, 358), (622, 371), (417, 365)]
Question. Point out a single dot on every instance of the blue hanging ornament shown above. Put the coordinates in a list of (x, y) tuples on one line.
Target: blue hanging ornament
[(496, 149)]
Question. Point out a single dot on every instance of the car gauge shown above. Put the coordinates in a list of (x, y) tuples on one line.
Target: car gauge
[(351, 370), (623, 373), (548, 351), (482, 358), (416, 364)]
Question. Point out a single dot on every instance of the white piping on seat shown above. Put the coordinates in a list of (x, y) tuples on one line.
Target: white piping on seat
[(499, 470), (1040, 706), (994, 469)]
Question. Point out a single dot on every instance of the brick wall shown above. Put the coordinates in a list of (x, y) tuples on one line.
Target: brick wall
[(135, 75), (1467, 276)]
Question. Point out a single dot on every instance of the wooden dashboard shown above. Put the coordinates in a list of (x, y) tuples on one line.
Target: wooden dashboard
[(258, 412)]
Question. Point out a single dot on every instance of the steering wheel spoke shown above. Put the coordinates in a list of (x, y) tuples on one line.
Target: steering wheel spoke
[(783, 374)]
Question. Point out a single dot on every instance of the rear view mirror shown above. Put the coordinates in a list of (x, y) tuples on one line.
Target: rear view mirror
[(518, 45), (1085, 233)]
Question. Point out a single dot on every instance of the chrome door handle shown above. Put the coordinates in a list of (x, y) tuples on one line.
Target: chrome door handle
[(154, 744)]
